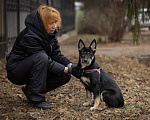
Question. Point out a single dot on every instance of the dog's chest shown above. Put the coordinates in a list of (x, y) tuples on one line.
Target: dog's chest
[(86, 81)]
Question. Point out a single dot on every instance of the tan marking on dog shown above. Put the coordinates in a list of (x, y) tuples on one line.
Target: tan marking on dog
[(101, 97), (96, 103), (86, 64), (88, 93), (89, 98), (85, 79), (103, 104)]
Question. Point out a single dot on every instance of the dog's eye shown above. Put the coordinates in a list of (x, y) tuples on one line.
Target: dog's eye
[(83, 54), (89, 54)]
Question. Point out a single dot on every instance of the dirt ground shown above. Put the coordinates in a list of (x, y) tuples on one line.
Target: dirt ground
[(119, 60), (125, 48)]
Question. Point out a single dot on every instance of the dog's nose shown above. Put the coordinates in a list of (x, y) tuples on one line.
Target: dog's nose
[(85, 61)]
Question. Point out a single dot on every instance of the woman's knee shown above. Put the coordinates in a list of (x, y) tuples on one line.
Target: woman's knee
[(41, 57)]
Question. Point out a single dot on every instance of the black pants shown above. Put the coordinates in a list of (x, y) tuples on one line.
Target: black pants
[(34, 72)]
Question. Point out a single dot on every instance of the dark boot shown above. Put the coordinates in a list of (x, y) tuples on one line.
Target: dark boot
[(41, 105)]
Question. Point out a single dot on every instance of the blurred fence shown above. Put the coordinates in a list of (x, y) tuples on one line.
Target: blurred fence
[(14, 12)]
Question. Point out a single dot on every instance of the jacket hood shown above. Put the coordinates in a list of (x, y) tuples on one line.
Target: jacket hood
[(34, 23)]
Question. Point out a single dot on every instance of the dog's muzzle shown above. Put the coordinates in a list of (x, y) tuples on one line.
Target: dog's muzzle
[(85, 61)]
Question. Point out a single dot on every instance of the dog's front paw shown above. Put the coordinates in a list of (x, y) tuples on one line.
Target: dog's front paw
[(92, 108), (86, 104)]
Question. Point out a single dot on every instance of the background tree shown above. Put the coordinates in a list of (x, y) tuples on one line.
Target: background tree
[(133, 9), (109, 17), (104, 17)]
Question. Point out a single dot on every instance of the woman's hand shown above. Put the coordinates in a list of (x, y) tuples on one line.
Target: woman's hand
[(66, 70), (74, 70)]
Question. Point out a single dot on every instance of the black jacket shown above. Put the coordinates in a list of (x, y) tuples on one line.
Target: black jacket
[(35, 39)]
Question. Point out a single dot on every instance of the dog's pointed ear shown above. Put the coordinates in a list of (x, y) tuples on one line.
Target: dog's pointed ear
[(93, 45), (80, 44)]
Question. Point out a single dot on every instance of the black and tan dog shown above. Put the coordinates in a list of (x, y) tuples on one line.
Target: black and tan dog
[(96, 81)]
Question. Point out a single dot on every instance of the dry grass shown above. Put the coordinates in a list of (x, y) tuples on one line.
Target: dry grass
[(133, 79)]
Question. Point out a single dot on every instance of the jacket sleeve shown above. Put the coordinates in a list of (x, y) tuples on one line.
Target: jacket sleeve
[(58, 56), (55, 67), (32, 45)]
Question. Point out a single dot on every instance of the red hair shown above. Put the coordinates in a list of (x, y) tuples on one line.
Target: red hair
[(49, 14)]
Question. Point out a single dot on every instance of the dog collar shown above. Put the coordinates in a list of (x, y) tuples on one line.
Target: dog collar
[(92, 70)]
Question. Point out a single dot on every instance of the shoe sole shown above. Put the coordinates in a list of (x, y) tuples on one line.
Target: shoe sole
[(29, 104)]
